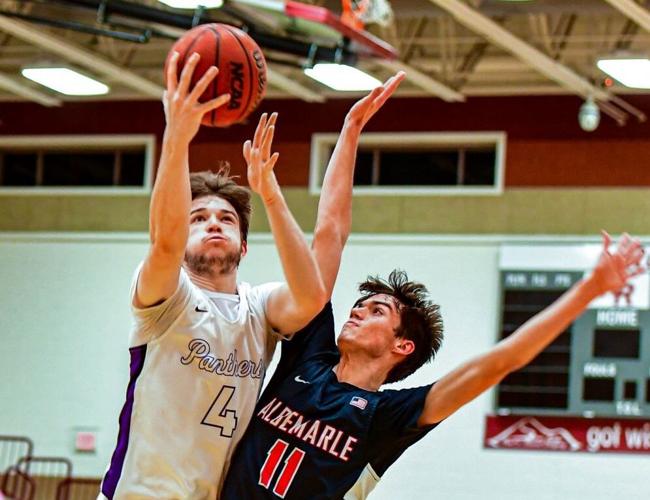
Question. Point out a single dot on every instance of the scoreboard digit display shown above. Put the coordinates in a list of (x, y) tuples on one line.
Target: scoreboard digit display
[(600, 365)]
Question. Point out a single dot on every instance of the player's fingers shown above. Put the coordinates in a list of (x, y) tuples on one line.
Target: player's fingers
[(623, 242), (186, 74), (636, 271), (215, 103), (203, 83), (368, 100), (272, 119), (392, 84), (371, 98), (607, 240), (172, 73), (259, 131), (247, 151), (267, 142), (270, 163), (635, 256), (255, 154), (390, 87), (631, 249)]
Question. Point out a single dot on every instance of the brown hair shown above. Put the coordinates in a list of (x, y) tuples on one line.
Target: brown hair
[(221, 184), (420, 319)]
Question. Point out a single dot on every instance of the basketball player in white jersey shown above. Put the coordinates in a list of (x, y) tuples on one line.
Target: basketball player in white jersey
[(201, 341)]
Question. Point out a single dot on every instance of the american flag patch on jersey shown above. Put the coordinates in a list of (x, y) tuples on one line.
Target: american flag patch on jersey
[(358, 402)]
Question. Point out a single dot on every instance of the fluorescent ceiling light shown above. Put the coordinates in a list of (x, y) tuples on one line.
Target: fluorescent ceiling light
[(193, 4), (634, 73), (65, 81), (342, 77)]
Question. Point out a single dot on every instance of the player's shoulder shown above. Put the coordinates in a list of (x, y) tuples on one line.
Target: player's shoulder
[(387, 394), (262, 290)]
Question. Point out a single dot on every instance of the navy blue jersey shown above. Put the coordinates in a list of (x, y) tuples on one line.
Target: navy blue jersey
[(314, 437)]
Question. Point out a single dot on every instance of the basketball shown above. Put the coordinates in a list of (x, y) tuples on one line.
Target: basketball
[(242, 69)]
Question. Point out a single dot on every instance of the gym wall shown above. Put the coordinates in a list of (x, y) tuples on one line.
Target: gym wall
[(64, 314)]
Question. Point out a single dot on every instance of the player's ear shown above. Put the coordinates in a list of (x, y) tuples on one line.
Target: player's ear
[(244, 248), (403, 346)]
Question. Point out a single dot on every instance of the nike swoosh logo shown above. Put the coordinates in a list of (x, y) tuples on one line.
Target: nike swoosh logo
[(298, 379), (199, 310)]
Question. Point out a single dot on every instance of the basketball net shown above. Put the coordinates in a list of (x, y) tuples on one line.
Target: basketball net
[(360, 13)]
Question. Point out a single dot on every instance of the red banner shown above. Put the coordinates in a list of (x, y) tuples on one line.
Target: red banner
[(573, 434)]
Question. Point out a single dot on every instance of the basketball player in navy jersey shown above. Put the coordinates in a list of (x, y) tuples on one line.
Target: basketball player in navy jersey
[(201, 341), (322, 428)]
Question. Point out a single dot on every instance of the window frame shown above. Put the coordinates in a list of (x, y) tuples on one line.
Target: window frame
[(84, 143), (322, 142)]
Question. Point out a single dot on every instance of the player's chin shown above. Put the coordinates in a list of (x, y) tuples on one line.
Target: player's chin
[(347, 335)]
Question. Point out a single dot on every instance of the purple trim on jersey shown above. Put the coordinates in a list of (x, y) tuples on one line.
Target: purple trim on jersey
[(109, 484)]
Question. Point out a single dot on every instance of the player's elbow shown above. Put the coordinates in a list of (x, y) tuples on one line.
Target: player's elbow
[(317, 299), (508, 360), (494, 365), (332, 229)]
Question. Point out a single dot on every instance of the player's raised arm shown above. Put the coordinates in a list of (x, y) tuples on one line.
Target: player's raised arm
[(466, 382), (335, 206), (171, 199), (291, 306)]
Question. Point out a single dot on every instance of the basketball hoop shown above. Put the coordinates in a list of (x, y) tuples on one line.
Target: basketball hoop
[(353, 11), (360, 13)]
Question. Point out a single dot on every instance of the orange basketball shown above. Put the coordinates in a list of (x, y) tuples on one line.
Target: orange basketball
[(242, 69)]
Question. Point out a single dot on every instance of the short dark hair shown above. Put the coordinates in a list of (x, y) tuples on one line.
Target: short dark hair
[(221, 184), (420, 319)]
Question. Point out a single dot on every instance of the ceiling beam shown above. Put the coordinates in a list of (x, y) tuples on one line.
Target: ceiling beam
[(634, 11), (86, 58), (553, 70), (423, 80), (18, 88), (292, 87)]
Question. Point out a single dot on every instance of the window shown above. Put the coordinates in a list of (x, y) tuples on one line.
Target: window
[(75, 164), (418, 163)]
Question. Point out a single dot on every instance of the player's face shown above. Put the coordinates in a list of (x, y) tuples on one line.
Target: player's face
[(214, 241), (371, 326)]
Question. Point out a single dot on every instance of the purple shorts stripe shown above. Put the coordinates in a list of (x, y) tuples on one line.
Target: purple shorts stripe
[(109, 484)]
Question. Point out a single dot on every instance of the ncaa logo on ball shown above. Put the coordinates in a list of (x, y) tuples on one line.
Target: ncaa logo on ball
[(236, 84)]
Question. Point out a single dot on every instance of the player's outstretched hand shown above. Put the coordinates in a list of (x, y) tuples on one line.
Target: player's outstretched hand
[(183, 111), (614, 269), (260, 161), (365, 108)]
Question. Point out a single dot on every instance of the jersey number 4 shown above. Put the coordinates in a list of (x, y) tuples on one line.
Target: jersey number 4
[(291, 464), (219, 415)]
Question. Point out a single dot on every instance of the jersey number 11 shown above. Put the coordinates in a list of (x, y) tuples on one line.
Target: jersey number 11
[(291, 464)]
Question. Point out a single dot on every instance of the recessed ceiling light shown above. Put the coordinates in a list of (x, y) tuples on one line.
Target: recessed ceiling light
[(634, 73), (342, 77), (193, 4), (65, 81)]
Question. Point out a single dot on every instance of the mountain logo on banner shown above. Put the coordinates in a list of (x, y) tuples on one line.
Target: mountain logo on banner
[(529, 433)]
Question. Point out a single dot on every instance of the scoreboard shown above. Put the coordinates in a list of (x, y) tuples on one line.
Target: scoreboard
[(600, 365)]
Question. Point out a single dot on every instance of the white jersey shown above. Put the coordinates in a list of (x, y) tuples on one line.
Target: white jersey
[(197, 365)]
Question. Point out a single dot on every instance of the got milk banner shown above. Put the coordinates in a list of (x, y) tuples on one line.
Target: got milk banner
[(571, 434)]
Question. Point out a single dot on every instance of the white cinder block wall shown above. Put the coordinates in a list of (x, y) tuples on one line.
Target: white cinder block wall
[(64, 319)]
